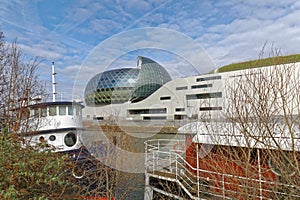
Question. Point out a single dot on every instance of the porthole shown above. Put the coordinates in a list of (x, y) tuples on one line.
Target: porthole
[(52, 138), (42, 139), (70, 139)]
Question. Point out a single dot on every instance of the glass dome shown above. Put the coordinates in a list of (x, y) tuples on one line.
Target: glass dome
[(126, 84)]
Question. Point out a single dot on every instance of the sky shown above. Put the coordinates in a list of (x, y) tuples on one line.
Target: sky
[(86, 37)]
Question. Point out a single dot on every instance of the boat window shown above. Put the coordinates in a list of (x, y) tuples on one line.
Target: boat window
[(52, 138), (62, 110), (52, 111), (70, 139), (36, 112), (70, 110), (44, 112)]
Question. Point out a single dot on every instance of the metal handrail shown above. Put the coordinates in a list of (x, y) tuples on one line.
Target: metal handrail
[(160, 148)]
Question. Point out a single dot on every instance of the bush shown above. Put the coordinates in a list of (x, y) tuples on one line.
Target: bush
[(27, 173)]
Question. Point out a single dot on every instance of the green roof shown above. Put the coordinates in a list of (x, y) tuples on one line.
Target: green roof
[(261, 63)]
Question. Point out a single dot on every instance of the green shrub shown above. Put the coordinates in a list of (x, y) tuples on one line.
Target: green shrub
[(27, 173)]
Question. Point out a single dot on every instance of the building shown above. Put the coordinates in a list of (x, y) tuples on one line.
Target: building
[(148, 93)]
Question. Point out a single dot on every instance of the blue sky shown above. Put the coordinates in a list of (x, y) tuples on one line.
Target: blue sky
[(85, 37)]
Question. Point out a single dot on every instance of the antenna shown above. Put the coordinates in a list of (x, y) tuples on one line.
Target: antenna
[(139, 62), (53, 83)]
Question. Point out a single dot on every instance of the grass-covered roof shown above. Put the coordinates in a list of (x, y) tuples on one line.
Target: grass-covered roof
[(261, 63)]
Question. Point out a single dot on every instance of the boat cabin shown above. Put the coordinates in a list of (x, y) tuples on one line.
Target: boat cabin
[(57, 123)]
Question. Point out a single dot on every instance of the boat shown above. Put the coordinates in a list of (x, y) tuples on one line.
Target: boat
[(56, 123), (56, 126), (218, 161)]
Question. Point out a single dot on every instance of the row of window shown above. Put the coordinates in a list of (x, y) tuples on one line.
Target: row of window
[(204, 96), (55, 110), (194, 87), (198, 96), (208, 78), (148, 111), (160, 111), (202, 85), (164, 110), (200, 109)]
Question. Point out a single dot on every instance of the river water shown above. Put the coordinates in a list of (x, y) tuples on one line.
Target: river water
[(128, 157)]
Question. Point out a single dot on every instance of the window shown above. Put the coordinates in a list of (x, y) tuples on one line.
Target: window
[(204, 96), (70, 139), (62, 110), (148, 111), (98, 118), (182, 88), (165, 98), (179, 109), (178, 117), (36, 112), (44, 112), (201, 86), (210, 108), (70, 110), (52, 138), (52, 111), (155, 118), (208, 78)]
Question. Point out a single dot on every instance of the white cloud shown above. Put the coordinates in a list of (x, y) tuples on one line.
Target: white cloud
[(230, 31)]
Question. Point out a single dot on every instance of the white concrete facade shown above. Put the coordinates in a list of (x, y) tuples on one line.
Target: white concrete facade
[(196, 97)]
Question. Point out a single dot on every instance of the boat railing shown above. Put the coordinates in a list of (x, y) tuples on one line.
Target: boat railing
[(166, 162)]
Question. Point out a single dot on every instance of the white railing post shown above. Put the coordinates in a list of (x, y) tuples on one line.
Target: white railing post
[(176, 160), (153, 161), (198, 181), (170, 164), (223, 185), (146, 155), (157, 155), (259, 175)]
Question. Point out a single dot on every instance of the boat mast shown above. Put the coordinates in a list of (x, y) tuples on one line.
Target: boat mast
[(53, 83)]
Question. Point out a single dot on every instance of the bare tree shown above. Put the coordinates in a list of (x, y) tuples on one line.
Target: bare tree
[(25, 171), (18, 84), (263, 104)]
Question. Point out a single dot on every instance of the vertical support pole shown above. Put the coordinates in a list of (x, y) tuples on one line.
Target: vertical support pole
[(148, 193), (198, 180), (53, 83), (259, 174), (223, 185), (146, 156), (148, 189), (170, 163), (153, 160), (176, 165), (157, 154)]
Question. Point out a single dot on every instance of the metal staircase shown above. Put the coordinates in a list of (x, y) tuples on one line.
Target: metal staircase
[(167, 172), (168, 165)]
